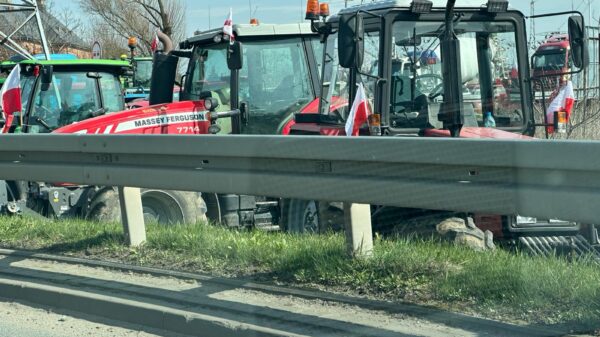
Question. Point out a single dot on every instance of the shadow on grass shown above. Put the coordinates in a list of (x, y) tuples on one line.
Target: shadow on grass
[(103, 240)]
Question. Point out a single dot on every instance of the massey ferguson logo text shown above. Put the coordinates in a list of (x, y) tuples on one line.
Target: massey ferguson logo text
[(168, 120), (178, 118)]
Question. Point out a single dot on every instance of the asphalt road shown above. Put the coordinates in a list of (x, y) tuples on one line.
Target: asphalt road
[(17, 320)]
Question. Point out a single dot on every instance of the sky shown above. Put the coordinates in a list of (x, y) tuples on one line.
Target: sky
[(202, 13)]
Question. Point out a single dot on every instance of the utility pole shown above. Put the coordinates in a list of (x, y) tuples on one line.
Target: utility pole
[(209, 17), (532, 29)]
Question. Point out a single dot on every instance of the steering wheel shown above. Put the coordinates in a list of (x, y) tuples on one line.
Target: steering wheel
[(428, 82), (437, 91), (45, 113)]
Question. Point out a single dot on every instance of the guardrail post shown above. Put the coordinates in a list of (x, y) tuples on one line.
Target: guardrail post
[(359, 232), (132, 215)]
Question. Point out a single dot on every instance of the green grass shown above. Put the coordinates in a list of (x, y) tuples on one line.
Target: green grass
[(494, 284)]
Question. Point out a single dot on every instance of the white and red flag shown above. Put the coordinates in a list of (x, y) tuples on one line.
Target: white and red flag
[(228, 26), (564, 101), (359, 113), (154, 44), (11, 96)]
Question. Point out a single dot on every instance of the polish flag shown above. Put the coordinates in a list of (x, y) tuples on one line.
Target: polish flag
[(359, 114), (11, 96), (564, 101), (154, 44), (228, 26)]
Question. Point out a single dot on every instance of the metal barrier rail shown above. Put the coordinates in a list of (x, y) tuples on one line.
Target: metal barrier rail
[(558, 179)]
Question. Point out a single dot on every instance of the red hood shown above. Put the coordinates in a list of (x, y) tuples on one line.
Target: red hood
[(188, 117), (313, 108)]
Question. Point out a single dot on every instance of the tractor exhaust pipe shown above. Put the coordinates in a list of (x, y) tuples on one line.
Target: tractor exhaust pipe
[(166, 41), (164, 70)]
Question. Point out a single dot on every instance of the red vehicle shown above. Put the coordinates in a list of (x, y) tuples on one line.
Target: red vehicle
[(551, 60), (402, 105), (279, 75)]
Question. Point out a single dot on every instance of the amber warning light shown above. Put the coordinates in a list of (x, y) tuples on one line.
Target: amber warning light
[(132, 42), (313, 10), (324, 10)]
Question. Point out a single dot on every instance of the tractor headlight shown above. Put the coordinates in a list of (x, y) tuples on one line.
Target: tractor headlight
[(525, 220), (210, 104)]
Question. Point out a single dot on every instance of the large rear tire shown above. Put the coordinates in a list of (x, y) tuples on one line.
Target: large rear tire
[(159, 206)]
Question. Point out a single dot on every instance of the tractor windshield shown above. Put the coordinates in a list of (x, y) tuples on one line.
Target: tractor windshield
[(550, 60), (274, 81), (72, 97), (143, 73), (489, 64)]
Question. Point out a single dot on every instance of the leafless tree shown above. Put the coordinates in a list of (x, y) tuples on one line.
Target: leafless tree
[(71, 21), (139, 18)]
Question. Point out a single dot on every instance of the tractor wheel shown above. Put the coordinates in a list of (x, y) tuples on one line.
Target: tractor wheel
[(310, 216), (159, 206)]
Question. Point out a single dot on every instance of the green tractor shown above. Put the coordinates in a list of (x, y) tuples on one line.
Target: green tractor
[(54, 94)]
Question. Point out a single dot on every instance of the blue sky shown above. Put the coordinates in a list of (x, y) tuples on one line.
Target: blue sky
[(282, 11)]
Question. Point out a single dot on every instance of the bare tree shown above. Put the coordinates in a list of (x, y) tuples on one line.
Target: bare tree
[(71, 21), (139, 18)]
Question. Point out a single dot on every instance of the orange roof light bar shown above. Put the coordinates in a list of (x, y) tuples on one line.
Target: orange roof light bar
[(254, 21), (324, 10), (313, 10)]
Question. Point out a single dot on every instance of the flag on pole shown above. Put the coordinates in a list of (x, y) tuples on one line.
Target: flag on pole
[(228, 26), (154, 44), (11, 96), (564, 101), (359, 113)]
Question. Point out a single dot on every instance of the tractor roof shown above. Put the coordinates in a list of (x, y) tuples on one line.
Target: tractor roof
[(261, 30), (87, 64), (388, 4)]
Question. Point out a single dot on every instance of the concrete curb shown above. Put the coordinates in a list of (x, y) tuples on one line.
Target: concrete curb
[(129, 311)]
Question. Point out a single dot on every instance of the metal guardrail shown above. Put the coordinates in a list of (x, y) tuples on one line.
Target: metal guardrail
[(558, 179)]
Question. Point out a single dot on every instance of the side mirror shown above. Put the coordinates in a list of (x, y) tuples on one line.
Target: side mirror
[(235, 56), (578, 42), (351, 41), (46, 74)]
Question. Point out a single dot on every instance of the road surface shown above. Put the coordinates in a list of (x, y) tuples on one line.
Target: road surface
[(17, 320)]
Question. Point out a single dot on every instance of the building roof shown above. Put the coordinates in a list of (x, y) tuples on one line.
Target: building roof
[(56, 32)]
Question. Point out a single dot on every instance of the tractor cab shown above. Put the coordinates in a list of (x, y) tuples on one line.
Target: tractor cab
[(138, 85), (427, 69), (62, 92), (277, 75)]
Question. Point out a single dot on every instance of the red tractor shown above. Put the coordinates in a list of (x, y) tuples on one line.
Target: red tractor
[(363, 45), (253, 86)]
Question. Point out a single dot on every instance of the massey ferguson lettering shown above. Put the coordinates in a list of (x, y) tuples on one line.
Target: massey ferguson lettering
[(168, 120), (164, 120)]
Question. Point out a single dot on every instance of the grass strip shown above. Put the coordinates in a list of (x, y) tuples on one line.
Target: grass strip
[(499, 285)]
